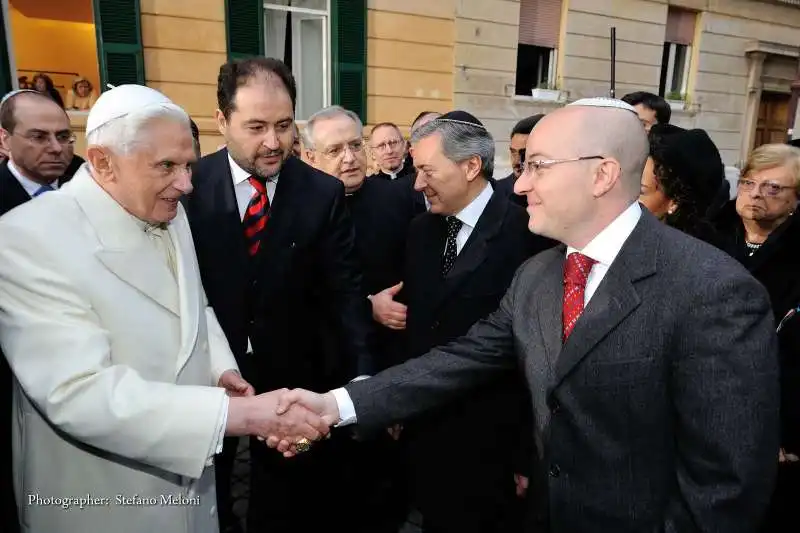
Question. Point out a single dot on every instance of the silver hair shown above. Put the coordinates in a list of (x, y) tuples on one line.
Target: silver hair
[(326, 113), (125, 134), (460, 141)]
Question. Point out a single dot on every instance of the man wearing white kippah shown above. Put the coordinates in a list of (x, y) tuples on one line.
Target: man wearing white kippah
[(125, 385), (650, 356)]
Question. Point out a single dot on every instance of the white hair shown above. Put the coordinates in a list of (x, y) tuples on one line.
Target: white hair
[(325, 114), (126, 133)]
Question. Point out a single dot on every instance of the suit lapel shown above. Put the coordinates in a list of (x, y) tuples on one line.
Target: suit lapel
[(286, 202), (475, 249), (125, 248), (429, 261), (548, 302), (12, 193), (188, 287), (615, 298), (224, 211)]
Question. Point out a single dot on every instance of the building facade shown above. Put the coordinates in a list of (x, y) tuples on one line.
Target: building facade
[(727, 66)]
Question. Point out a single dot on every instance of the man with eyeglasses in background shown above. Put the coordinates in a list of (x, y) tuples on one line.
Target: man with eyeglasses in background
[(36, 135), (390, 151)]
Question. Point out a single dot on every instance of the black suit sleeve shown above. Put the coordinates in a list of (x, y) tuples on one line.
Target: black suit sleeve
[(441, 375), (344, 281), (724, 384)]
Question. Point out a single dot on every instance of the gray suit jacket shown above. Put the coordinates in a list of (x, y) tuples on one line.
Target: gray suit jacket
[(659, 414)]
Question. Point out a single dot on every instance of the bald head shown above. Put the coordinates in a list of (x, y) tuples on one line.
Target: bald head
[(25, 103), (590, 161), (611, 132)]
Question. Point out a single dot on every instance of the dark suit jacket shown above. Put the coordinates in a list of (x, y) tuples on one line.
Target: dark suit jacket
[(505, 186), (406, 177), (467, 484), (301, 299), (659, 414), (12, 194), (381, 212)]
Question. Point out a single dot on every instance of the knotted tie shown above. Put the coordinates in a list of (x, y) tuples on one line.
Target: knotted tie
[(576, 272), (256, 216), (451, 248), (41, 190)]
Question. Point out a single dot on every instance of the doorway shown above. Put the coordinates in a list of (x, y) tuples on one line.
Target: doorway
[(773, 119)]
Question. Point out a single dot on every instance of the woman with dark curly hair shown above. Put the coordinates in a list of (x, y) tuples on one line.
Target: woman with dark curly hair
[(681, 179), (44, 84)]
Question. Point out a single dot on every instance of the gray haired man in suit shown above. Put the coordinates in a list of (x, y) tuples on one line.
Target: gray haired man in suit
[(650, 356)]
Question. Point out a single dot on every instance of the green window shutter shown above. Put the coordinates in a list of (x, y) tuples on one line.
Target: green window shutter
[(349, 55), (244, 22), (119, 42), (6, 81)]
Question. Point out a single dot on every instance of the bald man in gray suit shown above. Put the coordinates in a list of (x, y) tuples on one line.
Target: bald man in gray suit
[(651, 357)]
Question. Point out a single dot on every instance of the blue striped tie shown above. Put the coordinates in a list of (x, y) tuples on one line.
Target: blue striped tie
[(43, 189)]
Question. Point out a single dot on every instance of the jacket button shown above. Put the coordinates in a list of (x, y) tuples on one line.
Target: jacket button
[(435, 325), (555, 470), (555, 406)]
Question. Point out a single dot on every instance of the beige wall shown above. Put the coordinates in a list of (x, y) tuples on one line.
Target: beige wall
[(409, 59), (184, 46), (485, 70)]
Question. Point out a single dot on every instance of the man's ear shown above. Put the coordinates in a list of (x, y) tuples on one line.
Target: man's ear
[(5, 139), (310, 156), (222, 122), (473, 167), (100, 161), (608, 173)]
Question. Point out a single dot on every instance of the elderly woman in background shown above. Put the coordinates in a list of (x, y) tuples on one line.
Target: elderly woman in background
[(681, 179), (82, 96), (761, 230)]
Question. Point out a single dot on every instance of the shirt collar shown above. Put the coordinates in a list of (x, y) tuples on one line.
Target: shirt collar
[(470, 214), (240, 175), (28, 184), (607, 244)]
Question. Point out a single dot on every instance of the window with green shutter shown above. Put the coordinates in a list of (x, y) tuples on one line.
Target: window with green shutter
[(245, 28), (6, 81), (119, 42), (349, 54)]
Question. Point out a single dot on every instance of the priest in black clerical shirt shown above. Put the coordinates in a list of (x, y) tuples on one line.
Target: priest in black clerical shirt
[(381, 210)]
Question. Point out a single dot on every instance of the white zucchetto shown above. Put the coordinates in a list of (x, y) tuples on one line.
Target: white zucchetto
[(123, 100), (612, 103)]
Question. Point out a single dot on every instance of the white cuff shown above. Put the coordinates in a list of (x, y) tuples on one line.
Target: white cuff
[(216, 446), (347, 411)]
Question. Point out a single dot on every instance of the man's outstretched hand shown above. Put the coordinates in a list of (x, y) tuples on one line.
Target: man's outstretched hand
[(322, 405)]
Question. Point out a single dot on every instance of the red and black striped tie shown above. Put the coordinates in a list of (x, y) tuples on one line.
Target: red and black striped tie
[(256, 216)]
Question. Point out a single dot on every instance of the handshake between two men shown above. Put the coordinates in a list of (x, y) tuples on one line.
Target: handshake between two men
[(288, 420)]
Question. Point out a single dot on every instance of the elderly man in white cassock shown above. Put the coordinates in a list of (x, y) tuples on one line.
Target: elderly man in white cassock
[(125, 384)]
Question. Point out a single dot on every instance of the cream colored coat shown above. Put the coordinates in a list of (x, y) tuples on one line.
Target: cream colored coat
[(115, 400)]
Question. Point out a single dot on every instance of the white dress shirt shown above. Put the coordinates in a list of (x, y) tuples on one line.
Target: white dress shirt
[(604, 248), (469, 216), (244, 191), (28, 184)]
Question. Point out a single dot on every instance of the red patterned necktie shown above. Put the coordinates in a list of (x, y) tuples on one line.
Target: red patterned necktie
[(576, 272), (256, 216)]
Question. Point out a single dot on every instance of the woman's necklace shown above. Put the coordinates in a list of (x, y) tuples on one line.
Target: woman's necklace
[(752, 247)]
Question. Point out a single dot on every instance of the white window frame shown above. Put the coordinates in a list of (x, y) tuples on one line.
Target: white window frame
[(326, 41), (671, 69)]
